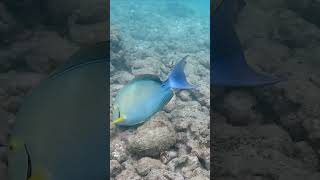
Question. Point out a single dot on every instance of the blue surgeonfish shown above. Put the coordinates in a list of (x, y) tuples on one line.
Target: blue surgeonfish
[(145, 95), (229, 67), (61, 130)]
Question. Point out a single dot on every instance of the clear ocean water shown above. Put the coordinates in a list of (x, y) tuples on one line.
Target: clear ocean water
[(178, 24)]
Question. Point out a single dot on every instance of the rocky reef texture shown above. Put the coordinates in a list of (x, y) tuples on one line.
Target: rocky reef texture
[(272, 132), (35, 38), (175, 142)]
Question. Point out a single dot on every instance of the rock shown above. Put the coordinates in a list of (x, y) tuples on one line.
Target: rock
[(261, 51), (203, 155), (3, 154), (200, 129), (192, 164), (186, 164), (202, 93), (128, 174), (3, 171), (121, 77), (293, 124), (13, 58), (166, 156), (116, 40), (254, 22), (15, 84), (118, 150), (299, 6), (240, 108), (308, 9), (51, 45), (266, 136), (40, 63), (181, 124), (88, 34), (148, 65), (270, 5), (312, 126), (114, 89), (152, 137), (4, 126), (200, 177), (293, 31), (85, 10), (182, 137), (113, 128), (177, 162), (26, 81), (306, 154), (115, 168), (112, 69), (146, 164), (201, 172), (171, 105), (12, 104), (253, 161), (7, 24), (185, 96), (162, 174)]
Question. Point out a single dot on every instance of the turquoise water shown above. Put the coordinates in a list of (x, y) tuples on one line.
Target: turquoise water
[(168, 25)]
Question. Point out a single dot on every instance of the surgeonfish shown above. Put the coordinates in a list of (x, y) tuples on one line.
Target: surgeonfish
[(145, 95), (61, 128), (229, 67)]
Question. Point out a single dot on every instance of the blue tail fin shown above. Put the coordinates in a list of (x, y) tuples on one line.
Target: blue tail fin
[(229, 66), (177, 78)]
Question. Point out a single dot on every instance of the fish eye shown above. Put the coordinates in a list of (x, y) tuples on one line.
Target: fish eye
[(11, 148)]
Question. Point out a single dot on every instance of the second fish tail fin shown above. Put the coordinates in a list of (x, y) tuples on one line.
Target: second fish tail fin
[(177, 78)]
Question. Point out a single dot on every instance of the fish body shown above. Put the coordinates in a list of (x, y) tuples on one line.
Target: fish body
[(60, 131), (145, 95)]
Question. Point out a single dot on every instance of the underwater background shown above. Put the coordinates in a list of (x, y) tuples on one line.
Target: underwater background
[(272, 132), (150, 37), (267, 133)]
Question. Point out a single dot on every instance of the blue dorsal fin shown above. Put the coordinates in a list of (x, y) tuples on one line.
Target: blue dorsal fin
[(229, 67), (177, 79), (96, 53)]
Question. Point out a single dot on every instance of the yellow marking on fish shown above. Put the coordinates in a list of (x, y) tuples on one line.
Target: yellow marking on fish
[(118, 120), (14, 144), (36, 178), (38, 175)]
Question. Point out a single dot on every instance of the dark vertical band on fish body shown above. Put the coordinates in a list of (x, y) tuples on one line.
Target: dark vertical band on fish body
[(29, 171)]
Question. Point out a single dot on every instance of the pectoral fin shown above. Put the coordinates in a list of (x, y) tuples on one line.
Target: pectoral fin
[(118, 120)]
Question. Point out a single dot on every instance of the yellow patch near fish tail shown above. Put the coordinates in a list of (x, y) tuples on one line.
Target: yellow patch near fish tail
[(118, 120), (39, 175)]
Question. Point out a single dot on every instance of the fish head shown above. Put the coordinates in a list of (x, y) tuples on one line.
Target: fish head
[(117, 116), (20, 162), (17, 160)]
